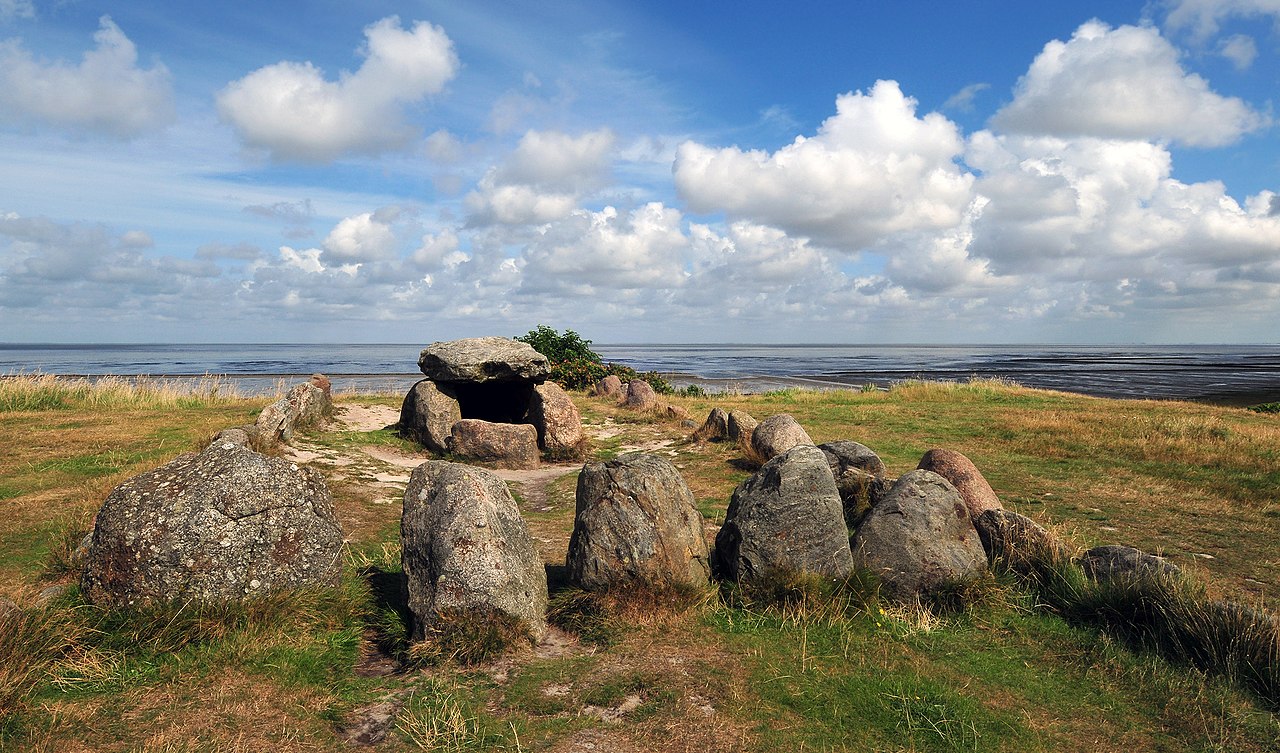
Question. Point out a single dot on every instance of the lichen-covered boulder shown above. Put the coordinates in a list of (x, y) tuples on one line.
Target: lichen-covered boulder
[(478, 360), (1018, 541), (714, 428), (640, 395), (1115, 561), (636, 523), (739, 425), (303, 406), (221, 525), (785, 519), (465, 548), (777, 434), (428, 414), (964, 476), (503, 445), (919, 537), (557, 421)]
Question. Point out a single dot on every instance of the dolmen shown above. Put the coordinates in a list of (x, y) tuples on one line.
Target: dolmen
[(488, 399)]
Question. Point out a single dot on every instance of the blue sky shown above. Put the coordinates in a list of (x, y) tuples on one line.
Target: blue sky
[(985, 172)]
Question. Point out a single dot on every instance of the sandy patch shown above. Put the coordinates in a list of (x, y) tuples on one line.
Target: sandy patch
[(394, 457), (366, 417)]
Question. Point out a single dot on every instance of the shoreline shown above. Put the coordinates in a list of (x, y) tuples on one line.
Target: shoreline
[(259, 384)]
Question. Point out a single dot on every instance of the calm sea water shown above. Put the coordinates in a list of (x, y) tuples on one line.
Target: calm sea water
[(1225, 373)]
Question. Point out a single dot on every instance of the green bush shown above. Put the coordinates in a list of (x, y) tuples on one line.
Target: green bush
[(1265, 408), (575, 366), (559, 348)]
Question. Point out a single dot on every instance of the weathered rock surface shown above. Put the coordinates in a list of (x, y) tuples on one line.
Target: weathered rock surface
[(964, 476), (785, 519), (465, 548), (714, 428), (918, 537), (478, 360), (504, 445), (428, 414), (222, 525), (1022, 543), (636, 522), (777, 434), (1113, 561), (859, 475), (640, 395), (610, 386), (557, 421), (741, 424), (303, 406)]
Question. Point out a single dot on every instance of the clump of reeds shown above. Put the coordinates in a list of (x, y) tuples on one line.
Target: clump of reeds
[(40, 392)]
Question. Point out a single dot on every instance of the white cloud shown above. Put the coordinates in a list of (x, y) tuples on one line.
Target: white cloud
[(362, 238), (16, 9), (106, 93), (1240, 49), (1123, 83), (872, 170), (543, 179), (1203, 17), (293, 112), (606, 250)]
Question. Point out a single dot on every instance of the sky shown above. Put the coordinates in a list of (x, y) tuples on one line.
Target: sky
[(987, 171)]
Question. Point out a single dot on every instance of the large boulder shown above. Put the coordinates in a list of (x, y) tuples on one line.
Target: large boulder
[(1018, 541), (465, 549), (503, 445), (785, 519), (777, 434), (964, 476), (478, 360), (859, 475), (557, 421), (221, 525), (636, 523), (303, 406), (610, 386), (428, 414), (1114, 561), (919, 537), (640, 395)]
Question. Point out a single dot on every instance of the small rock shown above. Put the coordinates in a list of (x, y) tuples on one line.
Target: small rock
[(640, 395), (610, 386), (964, 476), (714, 428), (1113, 561)]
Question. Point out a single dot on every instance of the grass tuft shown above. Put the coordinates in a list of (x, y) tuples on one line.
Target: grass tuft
[(45, 392), (471, 636)]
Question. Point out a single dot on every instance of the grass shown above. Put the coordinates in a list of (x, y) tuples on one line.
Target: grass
[(1000, 664)]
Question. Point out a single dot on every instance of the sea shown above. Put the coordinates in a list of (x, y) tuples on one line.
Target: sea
[(1226, 374)]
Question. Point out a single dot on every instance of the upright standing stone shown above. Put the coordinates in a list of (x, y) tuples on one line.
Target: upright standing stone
[(636, 523), (465, 548), (559, 424), (785, 519), (303, 406), (428, 414)]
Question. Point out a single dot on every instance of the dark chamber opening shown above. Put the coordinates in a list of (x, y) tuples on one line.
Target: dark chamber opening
[(496, 402)]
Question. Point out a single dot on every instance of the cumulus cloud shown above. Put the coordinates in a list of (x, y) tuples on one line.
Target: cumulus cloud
[(293, 112), (365, 237), (107, 92), (872, 170), (1203, 17), (542, 179), (608, 250), (1122, 83)]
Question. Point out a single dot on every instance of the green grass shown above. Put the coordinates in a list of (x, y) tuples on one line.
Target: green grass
[(804, 666)]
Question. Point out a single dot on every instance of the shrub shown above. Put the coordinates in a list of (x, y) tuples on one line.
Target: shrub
[(560, 347), (1265, 408)]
